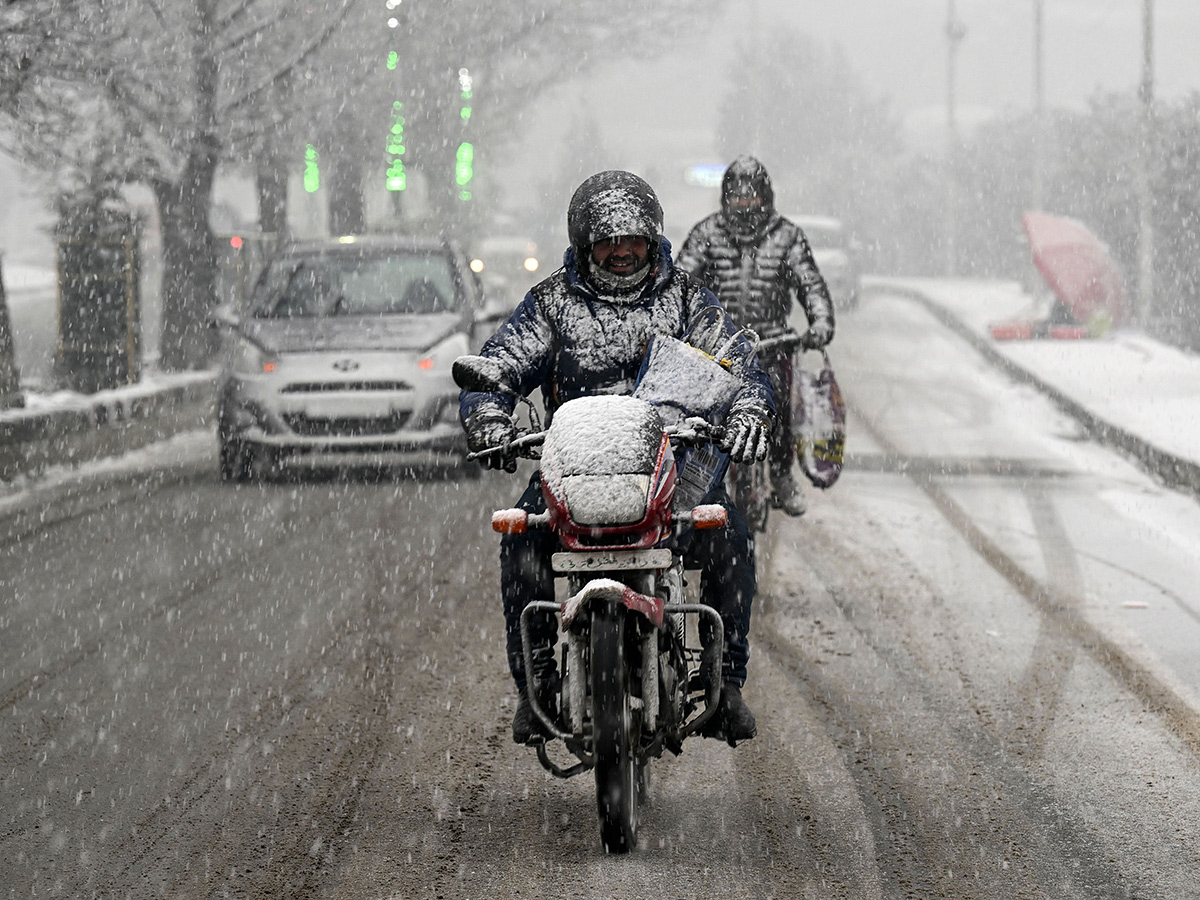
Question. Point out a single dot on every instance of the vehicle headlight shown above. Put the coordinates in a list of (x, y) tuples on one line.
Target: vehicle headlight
[(249, 359)]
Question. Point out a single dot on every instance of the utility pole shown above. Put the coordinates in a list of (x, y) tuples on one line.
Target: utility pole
[(1146, 155), (1038, 198), (955, 32)]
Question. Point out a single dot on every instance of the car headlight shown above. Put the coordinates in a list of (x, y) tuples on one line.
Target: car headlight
[(250, 359)]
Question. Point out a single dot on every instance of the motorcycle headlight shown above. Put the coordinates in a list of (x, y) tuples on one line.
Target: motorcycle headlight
[(249, 359)]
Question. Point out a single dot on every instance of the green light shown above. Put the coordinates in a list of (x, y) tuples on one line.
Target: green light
[(464, 195), (466, 95), (393, 59), (465, 112), (464, 167), (397, 179), (312, 174)]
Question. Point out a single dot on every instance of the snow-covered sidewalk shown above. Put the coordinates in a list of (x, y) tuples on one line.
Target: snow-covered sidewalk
[(1137, 385)]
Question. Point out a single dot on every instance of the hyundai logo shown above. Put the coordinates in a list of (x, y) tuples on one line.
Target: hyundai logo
[(346, 365)]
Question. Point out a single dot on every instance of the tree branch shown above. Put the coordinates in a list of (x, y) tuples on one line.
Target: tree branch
[(305, 52)]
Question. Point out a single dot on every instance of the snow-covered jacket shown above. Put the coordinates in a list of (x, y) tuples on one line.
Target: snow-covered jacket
[(571, 342), (756, 278)]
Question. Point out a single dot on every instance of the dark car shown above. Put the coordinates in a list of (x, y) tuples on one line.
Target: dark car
[(343, 352)]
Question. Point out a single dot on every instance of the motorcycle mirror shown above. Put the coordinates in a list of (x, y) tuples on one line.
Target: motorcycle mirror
[(478, 373)]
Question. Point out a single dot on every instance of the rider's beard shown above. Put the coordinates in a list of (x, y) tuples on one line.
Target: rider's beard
[(610, 282)]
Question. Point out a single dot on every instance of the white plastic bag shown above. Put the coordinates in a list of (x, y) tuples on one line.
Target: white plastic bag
[(819, 423)]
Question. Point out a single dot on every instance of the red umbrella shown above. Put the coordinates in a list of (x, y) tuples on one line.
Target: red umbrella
[(1078, 268)]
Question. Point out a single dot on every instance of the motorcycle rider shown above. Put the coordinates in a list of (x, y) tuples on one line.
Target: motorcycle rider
[(584, 331), (755, 260)]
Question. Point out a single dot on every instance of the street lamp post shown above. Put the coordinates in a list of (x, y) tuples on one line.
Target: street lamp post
[(1145, 159), (1038, 194), (955, 32)]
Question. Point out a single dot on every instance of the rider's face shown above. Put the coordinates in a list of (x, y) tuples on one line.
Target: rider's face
[(750, 203), (621, 255)]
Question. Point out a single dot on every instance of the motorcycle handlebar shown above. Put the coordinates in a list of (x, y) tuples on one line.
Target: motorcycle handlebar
[(788, 340), (689, 431)]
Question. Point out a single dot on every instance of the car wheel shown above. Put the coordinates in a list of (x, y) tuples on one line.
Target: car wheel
[(234, 457), (265, 463)]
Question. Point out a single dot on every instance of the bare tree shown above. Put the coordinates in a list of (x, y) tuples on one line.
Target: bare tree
[(161, 91)]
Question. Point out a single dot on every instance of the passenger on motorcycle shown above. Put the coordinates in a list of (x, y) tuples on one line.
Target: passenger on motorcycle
[(755, 260), (584, 331)]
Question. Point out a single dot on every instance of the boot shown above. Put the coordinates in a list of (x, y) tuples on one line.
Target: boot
[(527, 727), (733, 721), (739, 721), (786, 494)]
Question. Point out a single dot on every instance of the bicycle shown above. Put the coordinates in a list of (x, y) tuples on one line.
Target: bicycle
[(750, 485)]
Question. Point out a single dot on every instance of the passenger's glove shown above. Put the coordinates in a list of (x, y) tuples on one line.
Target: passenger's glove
[(746, 437), (819, 334), (487, 430)]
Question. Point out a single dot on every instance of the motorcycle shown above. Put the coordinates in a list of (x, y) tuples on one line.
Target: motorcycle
[(621, 489)]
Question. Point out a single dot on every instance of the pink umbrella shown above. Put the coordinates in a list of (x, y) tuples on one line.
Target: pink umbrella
[(1077, 267)]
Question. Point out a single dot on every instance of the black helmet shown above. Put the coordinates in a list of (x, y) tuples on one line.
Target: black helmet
[(746, 179), (610, 204)]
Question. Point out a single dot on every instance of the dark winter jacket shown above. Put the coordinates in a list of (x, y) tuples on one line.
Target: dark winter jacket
[(571, 342), (755, 277)]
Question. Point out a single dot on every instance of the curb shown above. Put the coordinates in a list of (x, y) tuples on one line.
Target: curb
[(1173, 471), (108, 423)]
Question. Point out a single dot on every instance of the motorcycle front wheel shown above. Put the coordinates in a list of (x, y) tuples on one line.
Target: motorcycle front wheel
[(619, 778)]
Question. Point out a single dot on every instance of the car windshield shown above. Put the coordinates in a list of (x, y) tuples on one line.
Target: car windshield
[(395, 283)]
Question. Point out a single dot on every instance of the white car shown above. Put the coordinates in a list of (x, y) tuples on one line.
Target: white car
[(344, 352), (836, 256)]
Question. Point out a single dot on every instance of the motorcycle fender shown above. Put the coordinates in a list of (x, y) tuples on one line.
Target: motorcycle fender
[(610, 591)]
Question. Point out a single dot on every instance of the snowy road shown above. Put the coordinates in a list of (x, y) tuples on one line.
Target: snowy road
[(972, 671)]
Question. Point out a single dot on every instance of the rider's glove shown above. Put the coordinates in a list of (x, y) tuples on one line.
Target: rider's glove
[(819, 334), (487, 430), (746, 437)]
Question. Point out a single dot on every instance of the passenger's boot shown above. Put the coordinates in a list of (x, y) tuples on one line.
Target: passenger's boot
[(526, 726), (786, 494)]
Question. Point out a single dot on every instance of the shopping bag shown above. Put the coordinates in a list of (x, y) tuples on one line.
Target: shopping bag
[(684, 380), (819, 424)]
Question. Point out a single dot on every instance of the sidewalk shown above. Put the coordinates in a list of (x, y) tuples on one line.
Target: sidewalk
[(1130, 391)]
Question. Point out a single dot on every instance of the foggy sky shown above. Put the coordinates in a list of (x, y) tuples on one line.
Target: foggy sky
[(658, 116)]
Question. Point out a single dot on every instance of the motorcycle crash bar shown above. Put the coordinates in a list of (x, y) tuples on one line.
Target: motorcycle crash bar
[(517, 521)]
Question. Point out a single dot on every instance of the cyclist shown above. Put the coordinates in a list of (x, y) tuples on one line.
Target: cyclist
[(755, 261)]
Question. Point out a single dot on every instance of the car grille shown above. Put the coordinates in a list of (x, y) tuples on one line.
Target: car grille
[(344, 426), (328, 387)]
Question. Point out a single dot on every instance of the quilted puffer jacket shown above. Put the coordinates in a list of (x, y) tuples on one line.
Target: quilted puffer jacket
[(756, 277), (572, 342)]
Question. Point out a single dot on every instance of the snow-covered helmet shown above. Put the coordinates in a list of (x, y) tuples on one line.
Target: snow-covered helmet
[(746, 179), (610, 204)]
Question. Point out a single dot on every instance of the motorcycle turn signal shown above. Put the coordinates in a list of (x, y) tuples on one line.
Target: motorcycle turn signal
[(708, 515)]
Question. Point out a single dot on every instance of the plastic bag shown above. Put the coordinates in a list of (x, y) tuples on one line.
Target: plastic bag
[(819, 418), (683, 380)]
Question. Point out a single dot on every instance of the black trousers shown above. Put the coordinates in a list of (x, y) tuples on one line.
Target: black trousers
[(782, 453)]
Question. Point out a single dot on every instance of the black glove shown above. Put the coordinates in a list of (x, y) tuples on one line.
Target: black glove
[(490, 430), (746, 437), (818, 335)]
